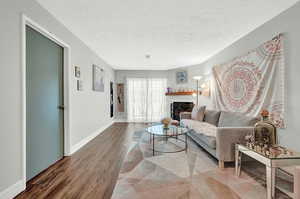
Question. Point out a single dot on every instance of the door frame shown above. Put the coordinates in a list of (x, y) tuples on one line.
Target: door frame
[(26, 21)]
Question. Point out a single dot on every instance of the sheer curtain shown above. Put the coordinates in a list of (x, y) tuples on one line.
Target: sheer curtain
[(146, 100)]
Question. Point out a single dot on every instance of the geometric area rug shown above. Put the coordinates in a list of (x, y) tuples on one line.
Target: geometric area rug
[(186, 175)]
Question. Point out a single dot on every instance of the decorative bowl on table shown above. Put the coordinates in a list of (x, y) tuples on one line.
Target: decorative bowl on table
[(166, 122)]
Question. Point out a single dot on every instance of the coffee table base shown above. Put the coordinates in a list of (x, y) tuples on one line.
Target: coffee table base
[(153, 137)]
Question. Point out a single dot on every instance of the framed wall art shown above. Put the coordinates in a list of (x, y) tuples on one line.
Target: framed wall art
[(120, 98), (181, 77), (79, 85), (98, 78), (77, 71)]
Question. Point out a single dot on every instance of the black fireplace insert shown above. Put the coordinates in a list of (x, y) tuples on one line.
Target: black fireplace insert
[(178, 107)]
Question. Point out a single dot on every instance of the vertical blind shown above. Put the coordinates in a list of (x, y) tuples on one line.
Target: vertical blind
[(146, 100)]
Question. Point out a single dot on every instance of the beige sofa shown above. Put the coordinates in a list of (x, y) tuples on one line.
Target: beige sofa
[(218, 132)]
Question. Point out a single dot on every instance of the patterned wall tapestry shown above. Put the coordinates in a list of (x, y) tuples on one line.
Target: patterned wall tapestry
[(253, 82)]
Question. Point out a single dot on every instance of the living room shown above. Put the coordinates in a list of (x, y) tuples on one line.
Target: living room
[(151, 100)]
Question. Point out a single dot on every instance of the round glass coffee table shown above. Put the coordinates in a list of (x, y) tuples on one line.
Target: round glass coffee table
[(171, 132)]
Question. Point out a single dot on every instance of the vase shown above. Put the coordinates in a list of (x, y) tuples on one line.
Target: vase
[(265, 131)]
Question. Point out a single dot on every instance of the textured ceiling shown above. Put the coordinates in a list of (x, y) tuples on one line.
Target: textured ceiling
[(161, 34)]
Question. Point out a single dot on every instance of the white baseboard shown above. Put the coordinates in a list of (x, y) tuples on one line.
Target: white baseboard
[(13, 190), (86, 140)]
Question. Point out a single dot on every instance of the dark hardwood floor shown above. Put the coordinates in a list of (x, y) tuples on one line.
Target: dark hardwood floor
[(89, 173)]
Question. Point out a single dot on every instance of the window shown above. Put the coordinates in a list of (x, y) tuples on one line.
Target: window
[(146, 100)]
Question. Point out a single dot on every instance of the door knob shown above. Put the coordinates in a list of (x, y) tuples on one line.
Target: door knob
[(61, 107)]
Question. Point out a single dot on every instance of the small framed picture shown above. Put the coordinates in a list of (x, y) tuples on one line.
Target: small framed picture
[(77, 71), (79, 85), (181, 77)]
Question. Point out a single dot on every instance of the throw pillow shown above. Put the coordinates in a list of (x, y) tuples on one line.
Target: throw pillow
[(212, 117), (198, 113)]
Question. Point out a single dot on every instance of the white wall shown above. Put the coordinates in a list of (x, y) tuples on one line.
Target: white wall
[(90, 110), (287, 23)]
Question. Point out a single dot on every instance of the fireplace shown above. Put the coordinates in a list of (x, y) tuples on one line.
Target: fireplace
[(178, 107)]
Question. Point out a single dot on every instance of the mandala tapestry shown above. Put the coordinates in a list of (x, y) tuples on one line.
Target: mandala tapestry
[(252, 82)]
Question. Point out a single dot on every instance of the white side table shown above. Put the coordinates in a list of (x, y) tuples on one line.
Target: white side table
[(271, 163)]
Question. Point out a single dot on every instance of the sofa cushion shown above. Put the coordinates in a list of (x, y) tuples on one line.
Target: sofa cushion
[(212, 117), (231, 119), (200, 127), (198, 113), (202, 130), (207, 140)]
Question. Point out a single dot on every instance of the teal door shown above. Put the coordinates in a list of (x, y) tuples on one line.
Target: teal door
[(44, 96)]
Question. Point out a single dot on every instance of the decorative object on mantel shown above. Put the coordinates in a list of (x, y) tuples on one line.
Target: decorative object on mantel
[(253, 81), (181, 77), (120, 98), (169, 90), (98, 78), (77, 71)]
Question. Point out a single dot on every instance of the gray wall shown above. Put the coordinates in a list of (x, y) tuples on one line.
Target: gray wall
[(121, 75), (287, 23), (191, 84), (90, 110)]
